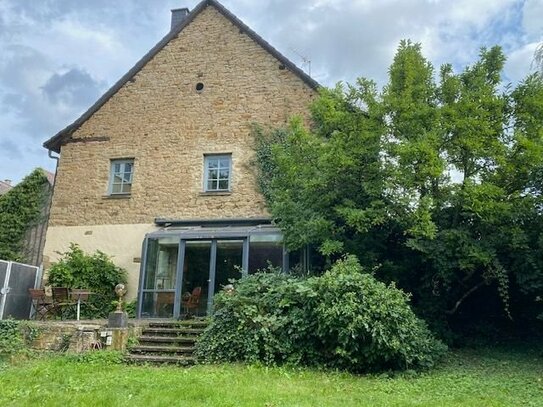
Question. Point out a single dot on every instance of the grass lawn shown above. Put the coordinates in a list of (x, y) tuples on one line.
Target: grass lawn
[(486, 377)]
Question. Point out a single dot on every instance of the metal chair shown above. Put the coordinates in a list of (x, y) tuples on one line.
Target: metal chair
[(41, 304)]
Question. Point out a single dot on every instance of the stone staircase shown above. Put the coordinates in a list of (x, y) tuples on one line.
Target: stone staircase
[(168, 342)]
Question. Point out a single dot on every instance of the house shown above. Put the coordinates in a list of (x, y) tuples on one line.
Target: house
[(158, 172), (5, 186)]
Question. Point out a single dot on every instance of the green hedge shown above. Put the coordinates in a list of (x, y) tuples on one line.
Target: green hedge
[(343, 319)]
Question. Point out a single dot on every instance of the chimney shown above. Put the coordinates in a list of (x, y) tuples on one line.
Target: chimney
[(178, 15)]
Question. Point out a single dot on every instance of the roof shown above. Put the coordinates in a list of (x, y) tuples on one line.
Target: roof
[(55, 142), (50, 176), (5, 187), (270, 232)]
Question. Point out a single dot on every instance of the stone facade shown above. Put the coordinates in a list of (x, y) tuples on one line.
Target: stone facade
[(161, 121)]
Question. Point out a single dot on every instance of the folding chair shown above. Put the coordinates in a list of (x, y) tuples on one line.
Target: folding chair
[(41, 304)]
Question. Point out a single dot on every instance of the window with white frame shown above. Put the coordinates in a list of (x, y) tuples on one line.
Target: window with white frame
[(120, 178), (218, 171)]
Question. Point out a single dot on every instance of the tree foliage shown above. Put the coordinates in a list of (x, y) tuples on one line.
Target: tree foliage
[(437, 182), (20, 209)]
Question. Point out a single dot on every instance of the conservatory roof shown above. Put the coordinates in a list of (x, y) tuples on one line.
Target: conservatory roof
[(214, 232)]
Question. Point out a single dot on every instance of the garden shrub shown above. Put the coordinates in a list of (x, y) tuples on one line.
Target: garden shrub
[(366, 324), (130, 308), (343, 319), (11, 337), (263, 320), (16, 337), (95, 272)]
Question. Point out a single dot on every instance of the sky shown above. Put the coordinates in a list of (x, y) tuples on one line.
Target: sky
[(57, 57)]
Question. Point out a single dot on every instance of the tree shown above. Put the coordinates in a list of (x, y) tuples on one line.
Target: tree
[(438, 184)]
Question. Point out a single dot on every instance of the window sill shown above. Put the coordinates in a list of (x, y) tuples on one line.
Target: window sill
[(117, 196), (217, 193)]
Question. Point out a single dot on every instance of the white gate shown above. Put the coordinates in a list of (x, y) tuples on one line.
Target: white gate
[(15, 280)]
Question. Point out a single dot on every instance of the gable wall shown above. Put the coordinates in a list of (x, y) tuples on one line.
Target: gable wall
[(161, 121)]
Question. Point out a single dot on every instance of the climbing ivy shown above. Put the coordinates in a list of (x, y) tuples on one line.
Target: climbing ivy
[(16, 336), (20, 208)]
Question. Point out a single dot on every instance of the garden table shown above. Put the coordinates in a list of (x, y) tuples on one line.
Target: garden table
[(80, 294)]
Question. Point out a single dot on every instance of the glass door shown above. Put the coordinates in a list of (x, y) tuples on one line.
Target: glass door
[(196, 271), (181, 276), (158, 295), (228, 266), (208, 265)]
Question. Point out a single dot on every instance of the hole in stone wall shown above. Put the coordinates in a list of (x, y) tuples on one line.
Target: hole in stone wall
[(199, 87)]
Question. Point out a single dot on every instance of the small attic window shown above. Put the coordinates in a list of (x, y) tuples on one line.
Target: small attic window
[(199, 87)]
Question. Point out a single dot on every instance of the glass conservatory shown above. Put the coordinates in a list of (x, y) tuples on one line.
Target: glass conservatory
[(183, 267)]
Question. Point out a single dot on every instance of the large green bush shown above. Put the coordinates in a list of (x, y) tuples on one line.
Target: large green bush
[(265, 319), (344, 319), (95, 272), (362, 322)]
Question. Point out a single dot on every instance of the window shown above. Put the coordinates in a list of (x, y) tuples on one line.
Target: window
[(120, 179), (217, 173), (264, 251)]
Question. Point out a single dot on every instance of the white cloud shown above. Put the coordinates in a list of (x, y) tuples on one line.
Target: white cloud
[(532, 19), (519, 63)]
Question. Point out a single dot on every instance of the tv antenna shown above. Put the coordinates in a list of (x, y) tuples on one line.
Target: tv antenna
[(306, 61)]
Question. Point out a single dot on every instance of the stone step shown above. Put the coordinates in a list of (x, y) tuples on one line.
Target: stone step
[(167, 342), (190, 323), (172, 331), (167, 339), (161, 349), (179, 360)]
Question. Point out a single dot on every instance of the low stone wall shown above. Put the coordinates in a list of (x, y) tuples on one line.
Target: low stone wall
[(81, 336)]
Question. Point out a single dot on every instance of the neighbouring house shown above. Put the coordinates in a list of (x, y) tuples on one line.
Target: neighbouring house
[(5, 186), (158, 172)]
